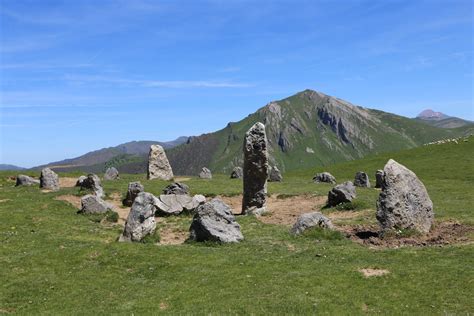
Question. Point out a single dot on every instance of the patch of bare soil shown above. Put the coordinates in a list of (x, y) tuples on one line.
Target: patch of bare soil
[(116, 200), (282, 211), (170, 232), (65, 182), (71, 199), (373, 272), (443, 233), (181, 179), (4, 200)]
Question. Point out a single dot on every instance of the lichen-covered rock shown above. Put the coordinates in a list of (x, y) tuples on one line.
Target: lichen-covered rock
[(324, 177), (362, 180), (237, 173), (176, 188), (49, 180), (111, 174), (92, 204), (158, 165), (342, 193), (80, 180), (310, 220), (175, 204), (255, 170), (275, 175), (404, 202), (378, 178), (134, 188), (141, 219), (21, 179), (205, 173), (92, 182), (214, 221)]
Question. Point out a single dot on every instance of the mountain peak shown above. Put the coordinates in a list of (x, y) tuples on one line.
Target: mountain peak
[(429, 114)]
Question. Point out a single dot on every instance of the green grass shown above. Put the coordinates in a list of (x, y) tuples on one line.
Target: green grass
[(54, 261)]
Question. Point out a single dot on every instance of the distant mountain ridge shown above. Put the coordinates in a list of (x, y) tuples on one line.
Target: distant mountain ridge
[(429, 114), (10, 167), (441, 120)]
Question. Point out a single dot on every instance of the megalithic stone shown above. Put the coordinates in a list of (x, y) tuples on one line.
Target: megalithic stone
[(158, 165), (255, 170)]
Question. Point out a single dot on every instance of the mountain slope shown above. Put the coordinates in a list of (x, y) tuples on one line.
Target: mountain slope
[(10, 167), (442, 120), (307, 129)]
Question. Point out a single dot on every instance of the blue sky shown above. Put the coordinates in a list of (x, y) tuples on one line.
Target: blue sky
[(81, 75)]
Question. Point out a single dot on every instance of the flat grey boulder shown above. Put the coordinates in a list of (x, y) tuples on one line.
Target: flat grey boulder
[(158, 165), (92, 182), (310, 220), (176, 188), (342, 193), (237, 173), (214, 221), (404, 202), (92, 204), (205, 173), (21, 179), (175, 204), (141, 219), (361, 179), (254, 201), (324, 177), (378, 178), (111, 174), (49, 180), (275, 175), (134, 188), (80, 180)]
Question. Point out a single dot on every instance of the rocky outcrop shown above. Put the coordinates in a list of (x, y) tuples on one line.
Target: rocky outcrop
[(237, 173), (378, 179), (255, 170), (214, 221), (49, 180), (92, 204), (158, 164), (275, 175), (141, 219), (310, 220), (324, 177), (92, 182), (362, 180), (21, 179), (134, 188), (341, 193), (404, 202), (205, 173), (111, 174), (176, 188)]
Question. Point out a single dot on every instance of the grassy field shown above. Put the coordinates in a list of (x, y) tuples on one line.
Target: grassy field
[(53, 261)]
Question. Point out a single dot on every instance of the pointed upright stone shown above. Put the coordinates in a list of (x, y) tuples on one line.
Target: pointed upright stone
[(378, 179), (158, 165), (255, 170), (361, 180), (141, 219), (49, 180)]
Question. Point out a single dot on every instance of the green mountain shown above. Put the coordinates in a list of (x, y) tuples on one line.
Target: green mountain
[(308, 129)]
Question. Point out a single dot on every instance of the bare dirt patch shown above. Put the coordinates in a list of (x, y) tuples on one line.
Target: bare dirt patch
[(71, 199), (283, 210), (373, 272), (443, 233), (170, 232), (116, 201), (65, 182), (5, 200), (182, 179)]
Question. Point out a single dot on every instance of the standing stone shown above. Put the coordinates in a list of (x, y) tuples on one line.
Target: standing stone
[(341, 193), (362, 180), (141, 219), (92, 204), (111, 174), (310, 220), (237, 173), (176, 188), (275, 175), (404, 202), (255, 170), (325, 177), (49, 180), (134, 188), (80, 180), (214, 221), (378, 179), (205, 173), (158, 165), (92, 182), (21, 179)]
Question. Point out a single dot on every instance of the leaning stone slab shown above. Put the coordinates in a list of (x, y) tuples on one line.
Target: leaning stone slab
[(404, 202), (92, 204), (175, 204), (134, 188), (341, 193), (362, 180), (49, 180), (158, 165), (111, 174), (324, 177), (141, 219), (310, 220), (21, 179), (214, 221)]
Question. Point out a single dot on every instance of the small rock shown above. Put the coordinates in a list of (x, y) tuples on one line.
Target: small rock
[(80, 180), (49, 180), (92, 204), (214, 221), (205, 173), (92, 182), (237, 173), (275, 175), (111, 174), (21, 179), (310, 220), (141, 219), (176, 188), (378, 179), (341, 193), (362, 180), (325, 177), (134, 188)]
